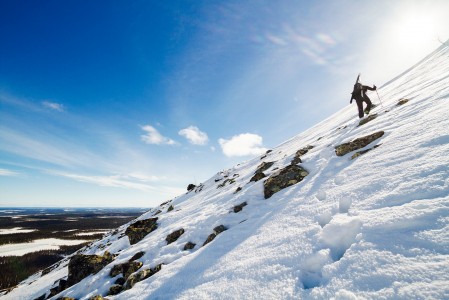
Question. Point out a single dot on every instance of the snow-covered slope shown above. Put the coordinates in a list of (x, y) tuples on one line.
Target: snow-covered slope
[(376, 226)]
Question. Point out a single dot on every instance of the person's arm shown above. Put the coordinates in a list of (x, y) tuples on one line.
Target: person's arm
[(365, 87)]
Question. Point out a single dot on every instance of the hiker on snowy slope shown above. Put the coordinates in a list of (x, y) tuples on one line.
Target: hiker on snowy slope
[(359, 95)]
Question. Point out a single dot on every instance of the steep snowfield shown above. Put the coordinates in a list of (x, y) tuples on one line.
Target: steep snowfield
[(374, 227)]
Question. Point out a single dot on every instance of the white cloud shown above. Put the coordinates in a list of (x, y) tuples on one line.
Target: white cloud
[(52, 105), (153, 136), (110, 181), (194, 135), (242, 145), (5, 172)]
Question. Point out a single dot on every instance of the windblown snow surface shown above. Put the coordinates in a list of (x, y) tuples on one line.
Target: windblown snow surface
[(373, 227)]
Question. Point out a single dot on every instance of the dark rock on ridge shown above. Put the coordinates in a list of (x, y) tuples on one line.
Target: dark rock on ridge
[(189, 246), (358, 153), (172, 237), (288, 176), (239, 207), (367, 119), (125, 269), (81, 266), (138, 230), (217, 230), (297, 159), (258, 175), (402, 102), (137, 255), (141, 275), (358, 143)]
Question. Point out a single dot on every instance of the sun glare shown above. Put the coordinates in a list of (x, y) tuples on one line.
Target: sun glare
[(415, 30)]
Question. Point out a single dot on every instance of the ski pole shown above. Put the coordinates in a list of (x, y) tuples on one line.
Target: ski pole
[(379, 99)]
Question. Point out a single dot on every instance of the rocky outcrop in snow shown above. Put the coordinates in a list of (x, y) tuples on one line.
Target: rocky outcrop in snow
[(288, 176), (138, 230), (358, 143)]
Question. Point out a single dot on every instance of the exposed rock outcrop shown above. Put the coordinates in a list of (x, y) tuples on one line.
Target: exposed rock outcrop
[(358, 153), (402, 102), (239, 207), (172, 237), (141, 275), (356, 144), (125, 269), (190, 187), (138, 230), (367, 119), (258, 175), (217, 230), (81, 266), (115, 289), (288, 176), (98, 297), (137, 255), (297, 159), (189, 246), (62, 285)]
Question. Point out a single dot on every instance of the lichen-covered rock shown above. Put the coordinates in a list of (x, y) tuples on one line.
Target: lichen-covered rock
[(81, 266), (115, 289), (172, 237), (358, 153), (297, 159), (137, 255), (126, 268), (257, 177), (138, 230), (120, 281), (62, 285), (65, 298), (356, 144), (141, 275), (288, 176), (239, 207), (170, 208), (367, 119), (402, 102), (189, 246), (230, 181), (217, 230), (98, 297), (264, 166)]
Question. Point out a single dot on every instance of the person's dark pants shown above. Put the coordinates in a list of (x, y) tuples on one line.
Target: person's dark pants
[(360, 105)]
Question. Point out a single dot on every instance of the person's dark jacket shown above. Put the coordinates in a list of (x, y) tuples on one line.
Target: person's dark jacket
[(359, 92)]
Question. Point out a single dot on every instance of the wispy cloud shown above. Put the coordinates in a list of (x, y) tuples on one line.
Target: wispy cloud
[(194, 135), (119, 181), (53, 105), (5, 172), (242, 145), (152, 136)]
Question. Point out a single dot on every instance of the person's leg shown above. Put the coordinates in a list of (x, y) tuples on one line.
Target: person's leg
[(360, 107), (368, 104)]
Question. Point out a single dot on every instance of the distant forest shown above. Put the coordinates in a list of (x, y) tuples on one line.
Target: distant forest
[(63, 226)]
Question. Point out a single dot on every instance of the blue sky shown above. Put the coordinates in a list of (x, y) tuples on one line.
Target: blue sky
[(119, 103)]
